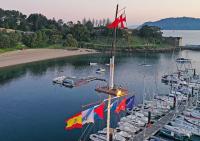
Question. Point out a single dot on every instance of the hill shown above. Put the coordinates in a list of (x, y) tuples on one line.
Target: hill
[(19, 31), (180, 23)]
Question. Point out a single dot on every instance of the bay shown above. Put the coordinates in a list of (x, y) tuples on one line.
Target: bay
[(33, 109)]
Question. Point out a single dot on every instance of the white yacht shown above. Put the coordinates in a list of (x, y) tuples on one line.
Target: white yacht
[(59, 80)]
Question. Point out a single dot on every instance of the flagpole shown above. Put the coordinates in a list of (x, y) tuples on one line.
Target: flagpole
[(111, 83)]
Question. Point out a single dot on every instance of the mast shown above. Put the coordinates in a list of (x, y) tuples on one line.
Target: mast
[(111, 82)]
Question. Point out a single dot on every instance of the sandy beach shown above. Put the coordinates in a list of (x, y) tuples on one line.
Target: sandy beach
[(32, 55)]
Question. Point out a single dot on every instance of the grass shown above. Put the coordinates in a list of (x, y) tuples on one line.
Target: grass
[(99, 43), (133, 42), (19, 46)]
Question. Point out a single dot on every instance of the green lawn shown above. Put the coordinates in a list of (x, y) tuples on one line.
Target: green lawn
[(18, 47)]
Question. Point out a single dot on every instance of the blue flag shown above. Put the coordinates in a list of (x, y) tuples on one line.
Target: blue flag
[(130, 103)]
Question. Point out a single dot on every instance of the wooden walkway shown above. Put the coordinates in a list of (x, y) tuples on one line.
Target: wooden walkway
[(148, 132)]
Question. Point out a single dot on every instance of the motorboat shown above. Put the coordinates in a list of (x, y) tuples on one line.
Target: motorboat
[(97, 137), (100, 70), (123, 134), (175, 132), (193, 121), (134, 121), (127, 129), (126, 124), (117, 137), (59, 80), (186, 126), (93, 64)]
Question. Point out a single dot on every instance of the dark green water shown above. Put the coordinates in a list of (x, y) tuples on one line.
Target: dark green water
[(33, 109)]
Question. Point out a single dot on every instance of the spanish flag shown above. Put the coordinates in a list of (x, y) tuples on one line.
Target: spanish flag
[(74, 122)]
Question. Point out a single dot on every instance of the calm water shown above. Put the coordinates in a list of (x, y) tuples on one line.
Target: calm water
[(33, 109), (190, 37)]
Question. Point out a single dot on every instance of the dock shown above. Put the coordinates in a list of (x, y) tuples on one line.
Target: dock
[(151, 131)]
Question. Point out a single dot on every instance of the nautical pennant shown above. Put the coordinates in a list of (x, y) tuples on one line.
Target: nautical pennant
[(130, 103), (99, 111), (121, 106), (113, 106), (88, 116)]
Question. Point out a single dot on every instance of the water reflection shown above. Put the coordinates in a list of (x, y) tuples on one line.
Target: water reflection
[(37, 108)]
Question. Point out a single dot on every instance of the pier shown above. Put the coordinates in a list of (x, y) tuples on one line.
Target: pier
[(149, 132), (191, 47)]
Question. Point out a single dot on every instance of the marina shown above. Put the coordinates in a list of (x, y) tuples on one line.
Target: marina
[(55, 93), (99, 73)]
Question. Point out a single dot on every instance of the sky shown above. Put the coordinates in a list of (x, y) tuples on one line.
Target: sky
[(137, 11)]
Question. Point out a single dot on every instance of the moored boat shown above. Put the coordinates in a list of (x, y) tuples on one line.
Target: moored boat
[(59, 80), (100, 70), (175, 133)]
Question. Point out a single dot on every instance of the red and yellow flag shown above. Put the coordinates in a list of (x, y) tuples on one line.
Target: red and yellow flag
[(74, 122)]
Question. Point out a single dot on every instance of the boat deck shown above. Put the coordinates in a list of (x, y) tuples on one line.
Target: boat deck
[(148, 132)]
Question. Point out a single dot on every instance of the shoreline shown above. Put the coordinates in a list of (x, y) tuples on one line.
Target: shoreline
[(19, 57), (153, 50)]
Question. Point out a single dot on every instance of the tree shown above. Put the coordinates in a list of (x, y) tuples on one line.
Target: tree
[(150, 33), (70, 41), (84, 21), (14, 38), (80, 32), (4, 40), (89, 25), (37, 21)]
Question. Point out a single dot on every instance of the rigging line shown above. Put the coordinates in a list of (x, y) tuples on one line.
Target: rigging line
[(83, 132), (172, 57), (100, 102), (91, 104), (121, 9), (89, 130)]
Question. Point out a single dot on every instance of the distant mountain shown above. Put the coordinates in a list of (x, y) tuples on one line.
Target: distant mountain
[(133, 26), (180, 23)]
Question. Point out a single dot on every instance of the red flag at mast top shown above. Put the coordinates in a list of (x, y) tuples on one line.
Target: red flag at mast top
[(118, 22)]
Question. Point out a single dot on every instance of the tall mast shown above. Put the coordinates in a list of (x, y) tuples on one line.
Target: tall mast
[(111, 82)]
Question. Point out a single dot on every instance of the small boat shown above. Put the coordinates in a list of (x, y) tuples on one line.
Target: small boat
[(136, 121), (183, 124), (175, 133), (183, 60), (193, 121), (195, 114), (69, 82), (93, 137), (128, 125), (107, 64), (100, 70), (75, 82), (59, 80), (117, 137), (93, 64), (141, 117), (123, 134), (97, 137)]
